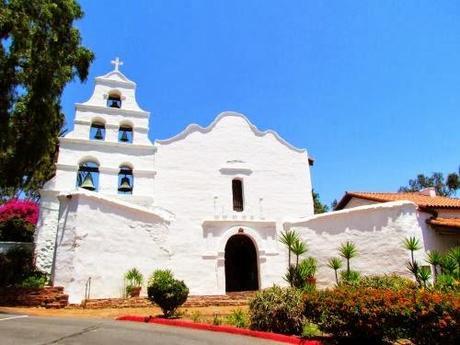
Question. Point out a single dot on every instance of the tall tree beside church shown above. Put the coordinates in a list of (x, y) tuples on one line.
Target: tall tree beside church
[(444, 186), (318, 206), (40, 52)]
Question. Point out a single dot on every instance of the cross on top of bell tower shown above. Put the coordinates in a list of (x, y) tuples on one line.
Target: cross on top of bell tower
[(117, 63)]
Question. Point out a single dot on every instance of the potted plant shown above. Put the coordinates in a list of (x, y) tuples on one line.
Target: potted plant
[(134, 280)]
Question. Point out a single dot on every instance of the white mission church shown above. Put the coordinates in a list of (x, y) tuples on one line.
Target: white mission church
[(208, 203)]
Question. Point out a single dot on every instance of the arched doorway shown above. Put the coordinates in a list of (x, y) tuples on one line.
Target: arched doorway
[(241, 272)]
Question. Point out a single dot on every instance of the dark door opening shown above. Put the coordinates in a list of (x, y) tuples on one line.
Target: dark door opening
[(241, 265)]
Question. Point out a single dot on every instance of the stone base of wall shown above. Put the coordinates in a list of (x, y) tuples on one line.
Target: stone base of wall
[(48, 297), (231, 299)]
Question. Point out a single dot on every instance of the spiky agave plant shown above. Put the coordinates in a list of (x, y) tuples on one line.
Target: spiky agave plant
[(454, 254), (434, 258), (299, 248), (288, 237), (424, 274), (414, 268), (348, 251), (336, 264), (412, 244)]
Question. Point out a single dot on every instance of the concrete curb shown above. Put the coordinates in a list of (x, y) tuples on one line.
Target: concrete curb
[(224, 329)]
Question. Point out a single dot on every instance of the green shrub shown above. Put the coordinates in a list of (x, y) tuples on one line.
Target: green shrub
[(277, 310), (350, 277), (196, 316), (166, 291), (15, 266), (369, 315), (16, 229), (446, 283), (238, 318), (35, 280), (216, 320), (386, 281), (310, 330)]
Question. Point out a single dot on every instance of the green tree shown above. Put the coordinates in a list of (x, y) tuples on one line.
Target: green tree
[(318, 206), (40, 52), (444, 186)]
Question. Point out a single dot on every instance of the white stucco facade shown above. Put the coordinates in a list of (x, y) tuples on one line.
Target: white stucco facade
[(181, 213)]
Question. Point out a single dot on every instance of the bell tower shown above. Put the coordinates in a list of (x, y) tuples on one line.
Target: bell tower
[(108, 151)]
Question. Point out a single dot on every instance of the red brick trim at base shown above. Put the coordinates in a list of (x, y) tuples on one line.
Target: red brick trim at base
[(224, 329), (48, 297)]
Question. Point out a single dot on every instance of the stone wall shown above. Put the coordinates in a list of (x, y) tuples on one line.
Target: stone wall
[(48, 297)]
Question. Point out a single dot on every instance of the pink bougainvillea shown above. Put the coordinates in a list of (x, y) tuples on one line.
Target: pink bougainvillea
[(25, 209)]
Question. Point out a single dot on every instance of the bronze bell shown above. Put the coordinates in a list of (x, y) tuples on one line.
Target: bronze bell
[(88, 182), (124, 137), (125, 185), (98, 135)]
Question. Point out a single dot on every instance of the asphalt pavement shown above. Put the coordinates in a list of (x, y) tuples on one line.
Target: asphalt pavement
[(33, 330)]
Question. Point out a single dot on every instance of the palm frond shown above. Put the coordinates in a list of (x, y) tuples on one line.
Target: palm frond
[(348, 250), (412, 243), (335, 263)]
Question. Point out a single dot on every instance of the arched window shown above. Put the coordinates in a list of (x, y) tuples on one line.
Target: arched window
[(237, 189), (125, 134), (125, 180), (88, 176), (114, 99), (97, 131)]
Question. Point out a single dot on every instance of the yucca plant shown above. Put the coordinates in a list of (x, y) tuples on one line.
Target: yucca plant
[(414, 267), (288, 238), (336, 264), (412, 244), (424, 274), (348, 251), (434, 258), (298, 249), (454, 254), (448, 265)]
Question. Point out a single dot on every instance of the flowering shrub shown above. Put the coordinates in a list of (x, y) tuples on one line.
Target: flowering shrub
[(17, 220), (372, 315), (436, 319), (277, 310), (25, 209)]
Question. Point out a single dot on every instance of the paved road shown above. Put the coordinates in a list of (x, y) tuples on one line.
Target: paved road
[(23, 330)]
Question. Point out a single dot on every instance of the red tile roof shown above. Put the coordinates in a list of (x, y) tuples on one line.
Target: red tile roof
[(421, 200), (445, 222)]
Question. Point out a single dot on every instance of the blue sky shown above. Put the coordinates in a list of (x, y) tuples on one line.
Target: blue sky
[(371, 89)]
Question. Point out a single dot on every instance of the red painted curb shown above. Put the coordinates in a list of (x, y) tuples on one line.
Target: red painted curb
[(224, 329)]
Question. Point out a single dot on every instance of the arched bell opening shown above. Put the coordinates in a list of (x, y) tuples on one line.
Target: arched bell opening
[(241, 266), (114, 99), (88, 176), (125, 133), (97, 130), (125, 180)]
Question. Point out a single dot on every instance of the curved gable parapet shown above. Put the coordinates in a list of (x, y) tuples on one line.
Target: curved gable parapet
[(115, 77), (197, 128)]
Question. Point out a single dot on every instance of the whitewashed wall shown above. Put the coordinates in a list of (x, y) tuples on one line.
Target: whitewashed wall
[(194, 181), (102, 238), (378, 231)]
